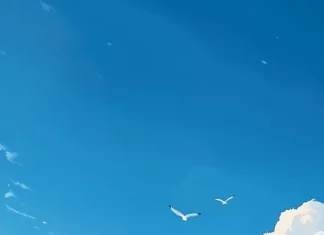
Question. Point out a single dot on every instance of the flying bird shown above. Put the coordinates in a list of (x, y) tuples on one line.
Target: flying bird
[(226, 201), (183, 217)]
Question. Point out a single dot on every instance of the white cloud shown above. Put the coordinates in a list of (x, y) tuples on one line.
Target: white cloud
[(264, 62), (9, 194), (3, 148), (35, 227), (21, 185), (99, 75), (46, 7), (11, 156), (19, 213), (307, 219)]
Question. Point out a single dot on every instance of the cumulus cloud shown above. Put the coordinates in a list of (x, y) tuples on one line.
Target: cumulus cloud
[(307, 219), (46, 7), (19, 213), (21, 185)]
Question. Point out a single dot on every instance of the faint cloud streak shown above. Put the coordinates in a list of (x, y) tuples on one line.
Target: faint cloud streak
[(20, 213), (21, 185), (3, 148), (46, 7)]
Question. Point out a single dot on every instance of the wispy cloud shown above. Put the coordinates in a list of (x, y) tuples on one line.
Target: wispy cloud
[(35, 227), (46, 7), (9, 194), (21, 185), (3, 148), (99, 75), (3, 53), (264, 62), (11, 156), (19, 213)]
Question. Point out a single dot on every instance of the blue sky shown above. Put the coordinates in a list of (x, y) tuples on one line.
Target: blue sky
[(183, 111)]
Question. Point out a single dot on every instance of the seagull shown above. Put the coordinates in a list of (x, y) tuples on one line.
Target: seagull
[(183, 217), (225, 202)]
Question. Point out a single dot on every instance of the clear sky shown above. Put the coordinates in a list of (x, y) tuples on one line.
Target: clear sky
[(119, 108)]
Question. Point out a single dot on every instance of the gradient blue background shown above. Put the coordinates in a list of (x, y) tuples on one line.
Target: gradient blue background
[(185, 112)]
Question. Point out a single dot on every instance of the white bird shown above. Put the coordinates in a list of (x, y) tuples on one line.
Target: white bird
[(183, 217), (226, 201)]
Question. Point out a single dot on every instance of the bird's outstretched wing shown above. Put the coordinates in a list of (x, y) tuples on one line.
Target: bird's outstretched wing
[(192, 215), (178, 213), (220, 200), (230, 198)]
